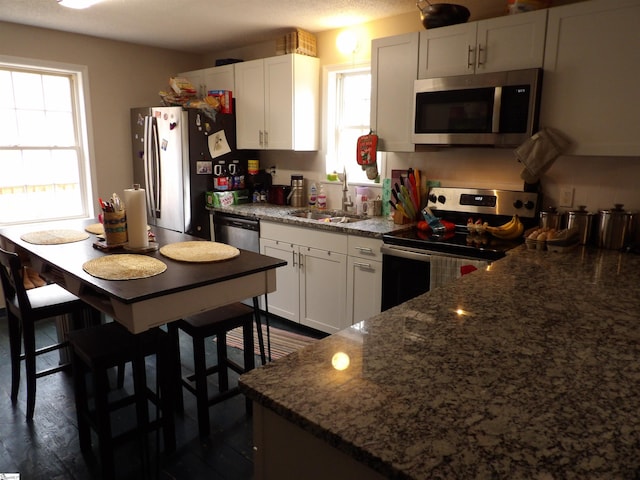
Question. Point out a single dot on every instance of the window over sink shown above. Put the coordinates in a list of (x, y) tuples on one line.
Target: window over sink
[(348, 105)]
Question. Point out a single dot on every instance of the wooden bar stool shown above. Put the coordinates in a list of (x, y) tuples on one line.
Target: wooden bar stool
[(200, 327), (25, 308), (95, 351)]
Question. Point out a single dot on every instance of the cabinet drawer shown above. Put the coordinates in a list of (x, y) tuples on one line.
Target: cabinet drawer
[(365, 247)]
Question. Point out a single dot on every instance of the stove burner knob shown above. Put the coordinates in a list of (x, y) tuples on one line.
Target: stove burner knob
[(529, 205), (517, 204), (432, 198), (442, 199)]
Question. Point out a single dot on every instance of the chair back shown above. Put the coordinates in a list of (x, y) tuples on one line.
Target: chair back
[(15, 294)]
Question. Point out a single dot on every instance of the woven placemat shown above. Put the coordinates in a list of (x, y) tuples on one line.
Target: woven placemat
[(54, 237), (199, 251), (125, 266)]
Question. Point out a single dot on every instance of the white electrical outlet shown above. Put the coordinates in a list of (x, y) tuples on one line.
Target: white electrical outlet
[(566, 197)]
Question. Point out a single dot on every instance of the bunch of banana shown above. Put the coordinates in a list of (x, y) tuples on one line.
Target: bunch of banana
[(509, 231)]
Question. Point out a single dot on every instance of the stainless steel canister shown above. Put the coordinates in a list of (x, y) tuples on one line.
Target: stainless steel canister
[(583, 220), (614, 227), (550, 218), (297, 197)]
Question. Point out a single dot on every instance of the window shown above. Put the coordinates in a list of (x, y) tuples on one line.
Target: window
[(348, 117), (44, 166)]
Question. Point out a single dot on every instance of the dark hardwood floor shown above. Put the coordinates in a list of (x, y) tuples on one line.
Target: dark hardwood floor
[(48, 448)]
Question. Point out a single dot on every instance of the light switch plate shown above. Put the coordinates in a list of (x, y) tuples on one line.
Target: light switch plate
[(566, 197)]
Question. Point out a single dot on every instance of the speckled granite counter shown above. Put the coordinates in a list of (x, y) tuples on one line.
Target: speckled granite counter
[(538, 379), (370, 227)]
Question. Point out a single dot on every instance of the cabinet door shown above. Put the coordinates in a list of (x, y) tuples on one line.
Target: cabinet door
[(512, 42), (278, 80), (196, 77), (323, 290), (249, 83), (393, 71), (592, 65), (364, 294), (220, 78), (447, 51), (284, 302)]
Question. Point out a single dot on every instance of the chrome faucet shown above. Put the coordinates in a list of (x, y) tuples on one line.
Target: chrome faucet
[(346, 199)]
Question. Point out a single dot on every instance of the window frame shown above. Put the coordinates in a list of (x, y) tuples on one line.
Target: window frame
[(331, 164), (79, 75)]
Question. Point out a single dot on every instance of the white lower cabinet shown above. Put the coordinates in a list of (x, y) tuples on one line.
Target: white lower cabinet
[(364, 278), (312, 287)]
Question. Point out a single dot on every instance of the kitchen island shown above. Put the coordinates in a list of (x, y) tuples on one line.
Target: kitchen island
[(528, 370)]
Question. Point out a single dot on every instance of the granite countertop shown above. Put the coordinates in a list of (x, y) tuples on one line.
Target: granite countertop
[(369, 227), (538, 378)]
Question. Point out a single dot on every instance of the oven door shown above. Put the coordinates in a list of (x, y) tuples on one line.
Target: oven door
[(405, 275), (409, 272)]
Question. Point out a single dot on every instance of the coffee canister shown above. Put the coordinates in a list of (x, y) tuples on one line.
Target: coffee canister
[(583, 220), (614, 227), (297, 196), (550, 218)]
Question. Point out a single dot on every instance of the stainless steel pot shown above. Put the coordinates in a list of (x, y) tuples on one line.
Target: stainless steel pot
[(614, 227), (583, 220)]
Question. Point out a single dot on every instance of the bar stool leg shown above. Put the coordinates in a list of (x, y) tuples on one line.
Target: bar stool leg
[(202, 392), (256, 312), (249, 357), (105, 441)]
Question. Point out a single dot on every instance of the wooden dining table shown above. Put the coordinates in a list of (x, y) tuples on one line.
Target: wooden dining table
[(183, 289)]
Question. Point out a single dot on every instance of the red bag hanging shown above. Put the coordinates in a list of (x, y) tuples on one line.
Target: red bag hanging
[(367, 147)]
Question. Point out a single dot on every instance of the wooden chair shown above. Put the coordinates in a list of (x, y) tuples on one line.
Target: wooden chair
[(24, 309), (96, 350), (214, 323)]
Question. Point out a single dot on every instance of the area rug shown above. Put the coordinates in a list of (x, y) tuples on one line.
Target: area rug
[(283, 342)]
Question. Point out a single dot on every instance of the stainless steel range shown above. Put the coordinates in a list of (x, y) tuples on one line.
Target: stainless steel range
[(415, 261)]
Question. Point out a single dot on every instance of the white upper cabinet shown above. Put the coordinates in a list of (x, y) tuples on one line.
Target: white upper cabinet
[(511, 42), (592, 66), (393, 70), (213, 78), (277, 103)]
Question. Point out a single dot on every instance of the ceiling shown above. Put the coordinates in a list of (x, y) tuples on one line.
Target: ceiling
[(199, 25)]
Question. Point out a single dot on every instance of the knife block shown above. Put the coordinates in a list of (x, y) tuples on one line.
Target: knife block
[(400, 219)]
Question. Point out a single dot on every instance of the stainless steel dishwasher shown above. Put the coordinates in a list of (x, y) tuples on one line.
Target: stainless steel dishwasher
[(240, 232)]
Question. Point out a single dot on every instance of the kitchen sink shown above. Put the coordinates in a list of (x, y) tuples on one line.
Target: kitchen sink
[(328, 216)]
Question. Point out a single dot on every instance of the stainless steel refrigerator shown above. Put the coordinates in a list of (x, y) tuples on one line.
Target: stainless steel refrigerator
[(173, 163)]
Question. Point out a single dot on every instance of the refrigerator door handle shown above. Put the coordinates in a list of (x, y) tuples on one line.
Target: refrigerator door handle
[(152, 167)]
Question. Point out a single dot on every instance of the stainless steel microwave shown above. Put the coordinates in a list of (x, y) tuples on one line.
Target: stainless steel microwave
[(499, 109)]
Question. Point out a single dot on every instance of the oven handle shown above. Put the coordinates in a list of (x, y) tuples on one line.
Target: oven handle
[(408, 254)]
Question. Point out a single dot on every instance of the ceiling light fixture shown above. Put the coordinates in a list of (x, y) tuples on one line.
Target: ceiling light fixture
[(347, 42), (78, 4)]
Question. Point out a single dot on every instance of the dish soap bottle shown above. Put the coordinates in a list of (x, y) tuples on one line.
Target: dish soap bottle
[(322, 198), (313, 196)]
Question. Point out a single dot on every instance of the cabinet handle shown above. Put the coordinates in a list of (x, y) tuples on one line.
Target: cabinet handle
[(361, 265), (300, 264), (294, 258), (470, 51), (364, 249), (480, 50), (261, 138), (266, 138)]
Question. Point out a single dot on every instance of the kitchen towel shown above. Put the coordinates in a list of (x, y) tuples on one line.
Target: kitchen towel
[(538, 153), (136, 208), (447, 269)]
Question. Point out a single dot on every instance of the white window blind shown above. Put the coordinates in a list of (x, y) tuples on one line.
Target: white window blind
[(44, 168)]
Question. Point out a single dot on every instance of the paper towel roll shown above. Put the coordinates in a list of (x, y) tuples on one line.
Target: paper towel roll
[(136, 208)]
